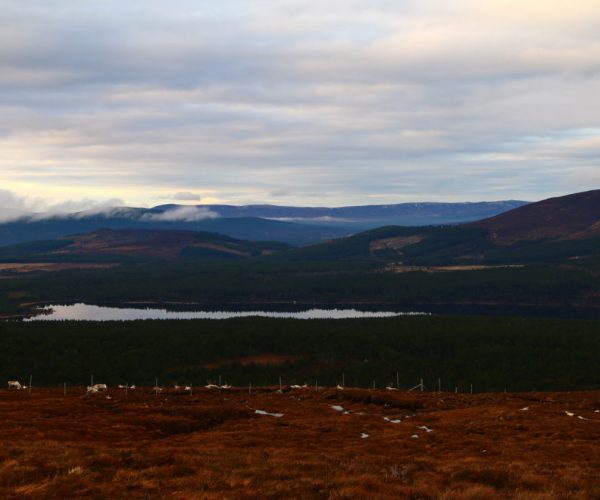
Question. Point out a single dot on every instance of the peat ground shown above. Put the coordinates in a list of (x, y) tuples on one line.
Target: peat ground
[(328, 443)]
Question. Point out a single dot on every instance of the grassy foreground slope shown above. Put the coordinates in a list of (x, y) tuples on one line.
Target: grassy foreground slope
[(491, 353), (215, 445)]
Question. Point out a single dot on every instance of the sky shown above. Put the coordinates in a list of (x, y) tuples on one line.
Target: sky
[(296, 102)]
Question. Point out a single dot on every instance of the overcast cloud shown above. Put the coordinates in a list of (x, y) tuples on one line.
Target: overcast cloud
[(298, 102)]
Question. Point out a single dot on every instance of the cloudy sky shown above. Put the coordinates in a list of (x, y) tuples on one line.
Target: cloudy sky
[(298, 102)]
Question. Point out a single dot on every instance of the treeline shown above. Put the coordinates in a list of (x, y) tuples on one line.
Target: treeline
[(305, 282), (491, 353)]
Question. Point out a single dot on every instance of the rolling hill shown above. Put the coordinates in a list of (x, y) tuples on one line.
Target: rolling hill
[(139, 244), (248, 228), (557, 228), (571, 217)]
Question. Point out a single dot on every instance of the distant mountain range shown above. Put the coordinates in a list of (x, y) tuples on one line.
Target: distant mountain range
[(405, 214), (292, 225), (558, 228)]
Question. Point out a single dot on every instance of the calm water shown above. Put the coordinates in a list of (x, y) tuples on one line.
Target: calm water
[(86, 312)]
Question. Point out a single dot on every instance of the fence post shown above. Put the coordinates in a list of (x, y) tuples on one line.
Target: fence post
[(30, 382)]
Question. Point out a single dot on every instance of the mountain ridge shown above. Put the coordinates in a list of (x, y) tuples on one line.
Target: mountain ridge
[(293, 225)]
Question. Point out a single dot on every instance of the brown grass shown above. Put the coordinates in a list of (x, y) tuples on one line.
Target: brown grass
[(395, 243), (399, 268), (214, 445), (52, 266)]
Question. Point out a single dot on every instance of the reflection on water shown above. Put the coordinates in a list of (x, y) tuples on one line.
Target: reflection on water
[(86, 312)]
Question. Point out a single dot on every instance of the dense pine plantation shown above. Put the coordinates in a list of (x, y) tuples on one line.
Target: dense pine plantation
[(310, 282), (492, 353)]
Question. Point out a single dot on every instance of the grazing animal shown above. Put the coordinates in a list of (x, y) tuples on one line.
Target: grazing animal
[(211, 386), (187, 388), (391, 388), (299, 386), (100, 387), (226, 386), (176, 387), (122, 386), (15, 384), (92, 389), (339, 387), (132, 387)]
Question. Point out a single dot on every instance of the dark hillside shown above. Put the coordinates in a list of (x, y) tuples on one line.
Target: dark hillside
[(548, 231), (140, 244), (576, 216)]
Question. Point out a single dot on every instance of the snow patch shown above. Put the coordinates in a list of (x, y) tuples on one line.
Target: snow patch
[(263, 412)]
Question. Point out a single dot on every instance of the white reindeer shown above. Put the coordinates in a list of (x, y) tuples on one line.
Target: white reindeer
[(15, 384)]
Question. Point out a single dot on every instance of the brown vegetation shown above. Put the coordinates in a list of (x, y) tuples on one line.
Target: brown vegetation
[(576, 216), (395, 243), (213, 444), (151, 243), (52, 266), (399, 268)]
